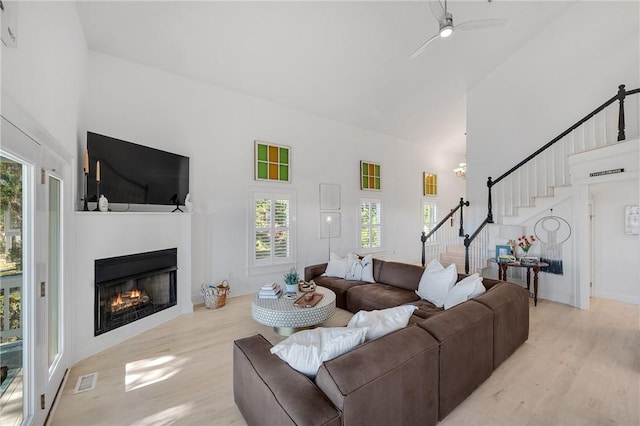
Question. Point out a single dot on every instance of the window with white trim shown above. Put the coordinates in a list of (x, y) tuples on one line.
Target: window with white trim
[(273, 231), (429, 218), (370, 224)]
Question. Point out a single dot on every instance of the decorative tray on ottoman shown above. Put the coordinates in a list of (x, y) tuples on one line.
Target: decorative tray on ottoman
[(303, 303)]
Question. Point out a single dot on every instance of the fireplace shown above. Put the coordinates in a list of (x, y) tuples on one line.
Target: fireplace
[(128, 288)]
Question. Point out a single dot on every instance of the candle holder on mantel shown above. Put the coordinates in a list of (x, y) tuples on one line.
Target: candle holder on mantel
[(97, 209), (86, 186)]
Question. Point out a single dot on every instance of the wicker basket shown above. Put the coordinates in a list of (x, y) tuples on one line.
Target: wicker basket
[(215, 297)]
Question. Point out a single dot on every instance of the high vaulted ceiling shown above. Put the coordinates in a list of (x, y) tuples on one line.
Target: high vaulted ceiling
[(346, 61)]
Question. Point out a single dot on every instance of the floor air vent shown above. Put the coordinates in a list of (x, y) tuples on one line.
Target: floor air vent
[(86, 383)]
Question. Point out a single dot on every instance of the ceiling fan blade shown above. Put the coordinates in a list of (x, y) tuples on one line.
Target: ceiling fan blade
[(479, 24), (438, 9), (424, 45)]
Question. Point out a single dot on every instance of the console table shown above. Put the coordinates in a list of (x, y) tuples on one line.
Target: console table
[(502, 274)]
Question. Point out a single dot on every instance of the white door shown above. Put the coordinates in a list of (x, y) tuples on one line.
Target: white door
[(45, 203)]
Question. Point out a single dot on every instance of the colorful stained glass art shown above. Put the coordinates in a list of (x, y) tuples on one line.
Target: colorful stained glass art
[(272, 162)]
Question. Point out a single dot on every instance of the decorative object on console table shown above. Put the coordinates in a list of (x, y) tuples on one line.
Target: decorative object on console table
[(291, 280), (502, 250), (525, 243), (529, 260)]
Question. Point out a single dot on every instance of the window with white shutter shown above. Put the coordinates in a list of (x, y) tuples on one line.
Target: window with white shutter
[(370, 224), (272, 236), (429, 218)]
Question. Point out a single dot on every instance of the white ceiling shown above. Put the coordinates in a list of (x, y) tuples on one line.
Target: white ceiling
[(346, 61)]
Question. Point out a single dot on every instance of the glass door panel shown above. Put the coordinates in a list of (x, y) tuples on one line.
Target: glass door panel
[(53, 293), (11, 291)]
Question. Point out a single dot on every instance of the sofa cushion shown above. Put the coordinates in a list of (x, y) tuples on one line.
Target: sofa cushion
[(340, 287), (389, 381), (436, 282), (381, 322), (401, 275), (425, 309), (306, 350), (368, 297)]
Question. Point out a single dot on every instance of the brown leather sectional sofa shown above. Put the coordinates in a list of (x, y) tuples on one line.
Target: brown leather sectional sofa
[(416, 375)]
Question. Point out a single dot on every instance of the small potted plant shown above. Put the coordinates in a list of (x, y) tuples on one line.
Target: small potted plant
[(291, 279)]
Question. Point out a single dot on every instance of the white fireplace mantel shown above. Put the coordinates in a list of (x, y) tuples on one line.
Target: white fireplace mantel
[(101, 235)]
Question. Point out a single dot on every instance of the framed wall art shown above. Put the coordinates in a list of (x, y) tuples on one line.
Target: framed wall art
[(370, 176), (429, 184), (631, 220), (272, 162)]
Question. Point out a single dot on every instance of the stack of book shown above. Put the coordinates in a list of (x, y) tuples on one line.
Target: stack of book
[(270, 291)]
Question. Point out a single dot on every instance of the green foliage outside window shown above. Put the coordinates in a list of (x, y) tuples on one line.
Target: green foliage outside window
[(272, 228)]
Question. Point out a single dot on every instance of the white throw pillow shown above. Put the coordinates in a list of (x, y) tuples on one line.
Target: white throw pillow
[(360, 269), (434, 265), (306, 350), (384, 321), (337, 266), (435, 283), (467, 288)]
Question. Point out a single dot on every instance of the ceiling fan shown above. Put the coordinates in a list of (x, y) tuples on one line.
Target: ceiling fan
[(447, 28)]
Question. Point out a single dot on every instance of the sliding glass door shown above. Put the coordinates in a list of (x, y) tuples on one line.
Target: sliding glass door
[(13, 175), (35, 214)]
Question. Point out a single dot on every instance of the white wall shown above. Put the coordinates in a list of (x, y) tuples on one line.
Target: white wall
[(616, 274), (216, 129), (575, 64), (46, 74)]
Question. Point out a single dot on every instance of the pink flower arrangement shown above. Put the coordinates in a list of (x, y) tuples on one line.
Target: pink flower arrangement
[(525, 243)]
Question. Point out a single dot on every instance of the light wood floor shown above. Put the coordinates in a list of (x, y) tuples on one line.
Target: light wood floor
[(577, 368)]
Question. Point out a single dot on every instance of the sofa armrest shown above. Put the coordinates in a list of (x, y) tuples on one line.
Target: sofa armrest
[(465, 333), (312, 271), (268, 391), (389, 381), (510, 305)]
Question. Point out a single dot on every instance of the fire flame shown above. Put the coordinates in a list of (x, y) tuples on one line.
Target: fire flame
[(117, 301), (128, 299)]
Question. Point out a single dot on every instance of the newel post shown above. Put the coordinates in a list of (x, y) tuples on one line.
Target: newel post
[(621, 95), (462, 204), (423, 238), (467, 243), (489, 213)]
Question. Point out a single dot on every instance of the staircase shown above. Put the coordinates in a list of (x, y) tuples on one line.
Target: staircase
[(543, 179), (453, 254)]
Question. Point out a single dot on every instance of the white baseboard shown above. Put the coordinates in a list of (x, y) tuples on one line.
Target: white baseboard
[(626, 298)]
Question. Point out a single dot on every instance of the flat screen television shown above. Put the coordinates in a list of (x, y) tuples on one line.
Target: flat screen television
[(136, 174)]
